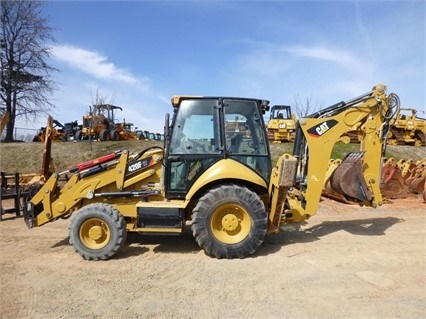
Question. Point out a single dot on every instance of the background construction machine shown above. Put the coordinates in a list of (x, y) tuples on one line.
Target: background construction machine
[(126, 132), (408, 129), (222, 184), (57, 132), (99, 124), (70, 129), (282, 124)]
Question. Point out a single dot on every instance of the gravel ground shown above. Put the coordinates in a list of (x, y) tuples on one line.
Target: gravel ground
[(345, 262)]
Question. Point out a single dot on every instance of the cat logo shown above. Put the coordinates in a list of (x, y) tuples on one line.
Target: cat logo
[(321, 128)]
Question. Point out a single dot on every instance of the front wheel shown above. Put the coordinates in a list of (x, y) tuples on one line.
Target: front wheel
[(97, 231), (229, 221), (78, 135)]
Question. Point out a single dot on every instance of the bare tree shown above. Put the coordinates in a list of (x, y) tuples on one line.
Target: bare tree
[(101, 99), (26, 83), (307, 107)]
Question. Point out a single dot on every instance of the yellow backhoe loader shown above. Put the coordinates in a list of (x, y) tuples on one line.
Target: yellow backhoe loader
[(221, 185)]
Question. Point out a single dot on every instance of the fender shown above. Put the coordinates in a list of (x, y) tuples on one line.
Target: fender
[(223, 170)]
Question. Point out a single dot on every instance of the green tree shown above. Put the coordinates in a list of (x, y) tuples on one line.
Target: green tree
[(26, 83)]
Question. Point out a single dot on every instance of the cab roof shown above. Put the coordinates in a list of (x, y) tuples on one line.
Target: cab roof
[(177, 99)]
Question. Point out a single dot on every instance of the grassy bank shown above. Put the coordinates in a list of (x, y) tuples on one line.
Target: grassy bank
[(27, 157)]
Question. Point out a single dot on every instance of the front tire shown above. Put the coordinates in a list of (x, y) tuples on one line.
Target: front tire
[(97, 231), (229, 221), (78, 135)]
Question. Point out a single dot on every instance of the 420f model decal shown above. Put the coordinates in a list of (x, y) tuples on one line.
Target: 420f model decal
[(319, 129), (139, 165)]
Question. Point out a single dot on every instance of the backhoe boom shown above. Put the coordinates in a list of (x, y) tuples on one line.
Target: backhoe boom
[(316, 136)]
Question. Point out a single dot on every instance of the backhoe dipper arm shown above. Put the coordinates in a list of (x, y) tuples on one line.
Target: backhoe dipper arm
[(316, 136)]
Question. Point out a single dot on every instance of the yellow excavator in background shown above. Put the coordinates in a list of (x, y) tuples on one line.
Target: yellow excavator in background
[(219, 183)]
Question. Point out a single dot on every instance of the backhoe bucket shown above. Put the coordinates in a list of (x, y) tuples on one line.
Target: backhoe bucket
[(348, 179), (327, 190)]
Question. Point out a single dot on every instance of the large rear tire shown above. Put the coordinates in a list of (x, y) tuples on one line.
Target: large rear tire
[(104, 135), (229, 221), (115, 136), (97, 231)]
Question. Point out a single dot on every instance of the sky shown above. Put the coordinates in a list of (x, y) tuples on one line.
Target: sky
[(138, 54)]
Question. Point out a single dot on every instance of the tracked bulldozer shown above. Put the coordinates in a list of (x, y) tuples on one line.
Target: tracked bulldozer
[(407, 129), (282, 124), (220, 184)]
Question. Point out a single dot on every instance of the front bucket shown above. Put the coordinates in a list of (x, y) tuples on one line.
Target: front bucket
[(348, 178)]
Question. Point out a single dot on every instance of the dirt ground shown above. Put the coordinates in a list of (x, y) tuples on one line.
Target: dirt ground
[(345, 262)]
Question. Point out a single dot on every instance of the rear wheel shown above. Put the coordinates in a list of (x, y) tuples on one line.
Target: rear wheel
[(97, 231), (104, 135), (114, 135), (229, 222)]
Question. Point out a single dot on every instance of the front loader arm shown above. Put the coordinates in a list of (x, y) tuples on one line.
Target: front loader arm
[(52, 202), (316, 136)]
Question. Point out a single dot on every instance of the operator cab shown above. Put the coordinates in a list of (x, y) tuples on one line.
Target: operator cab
[(280, 112), (205, 130)]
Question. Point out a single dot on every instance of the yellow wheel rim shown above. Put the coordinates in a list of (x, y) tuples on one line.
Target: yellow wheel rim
[(230, 224), (95, 233)]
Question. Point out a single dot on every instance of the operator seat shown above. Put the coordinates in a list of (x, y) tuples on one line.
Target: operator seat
[(235, 143)]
